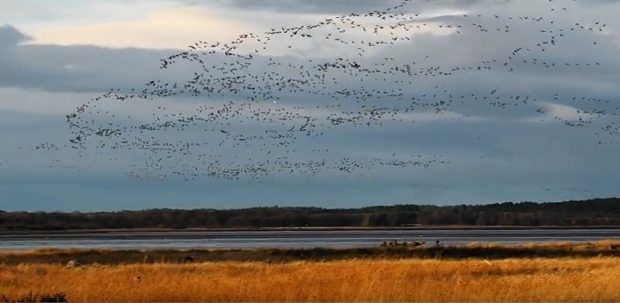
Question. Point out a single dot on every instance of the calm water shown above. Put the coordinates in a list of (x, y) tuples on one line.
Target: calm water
[(289, 238)]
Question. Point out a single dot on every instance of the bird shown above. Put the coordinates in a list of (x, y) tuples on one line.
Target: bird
[(257, 114)]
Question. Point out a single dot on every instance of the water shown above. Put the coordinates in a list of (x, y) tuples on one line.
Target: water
[(187, 239)]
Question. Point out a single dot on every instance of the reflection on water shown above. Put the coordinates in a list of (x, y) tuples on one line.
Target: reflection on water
[(288, 239)]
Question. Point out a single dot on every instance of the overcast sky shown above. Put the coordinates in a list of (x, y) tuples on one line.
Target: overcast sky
[(58, 55)]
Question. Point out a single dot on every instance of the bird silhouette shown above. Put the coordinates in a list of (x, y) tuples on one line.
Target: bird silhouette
[(259, 108)]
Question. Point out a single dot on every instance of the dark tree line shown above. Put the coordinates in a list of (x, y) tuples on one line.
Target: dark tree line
[(580, 213)]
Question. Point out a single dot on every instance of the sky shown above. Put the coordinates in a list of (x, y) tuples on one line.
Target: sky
[(507, 101)]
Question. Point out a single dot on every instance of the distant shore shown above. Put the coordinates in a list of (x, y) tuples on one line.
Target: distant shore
[(309, 228), (592, 213)]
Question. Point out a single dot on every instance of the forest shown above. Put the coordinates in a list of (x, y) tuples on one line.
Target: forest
[(594, 212)]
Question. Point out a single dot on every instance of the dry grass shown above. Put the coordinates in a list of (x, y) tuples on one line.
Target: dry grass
[(548, 279)]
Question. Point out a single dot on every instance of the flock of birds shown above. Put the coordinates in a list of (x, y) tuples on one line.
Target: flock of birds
[(269, 103)]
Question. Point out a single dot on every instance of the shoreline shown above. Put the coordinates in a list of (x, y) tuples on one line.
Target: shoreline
[(476, 250)]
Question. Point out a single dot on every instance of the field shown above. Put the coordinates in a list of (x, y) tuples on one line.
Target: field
[(525, 279), (591, 279)]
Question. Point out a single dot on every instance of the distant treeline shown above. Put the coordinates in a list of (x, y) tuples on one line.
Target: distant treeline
[(581, 213)]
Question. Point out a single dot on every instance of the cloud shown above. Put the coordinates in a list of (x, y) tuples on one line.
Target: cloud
[(307, 7), (39, 102), (11, 37), (160, 29), (563, 112), (75, 68)]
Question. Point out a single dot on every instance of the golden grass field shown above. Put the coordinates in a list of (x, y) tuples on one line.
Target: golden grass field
[(475, 280)]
